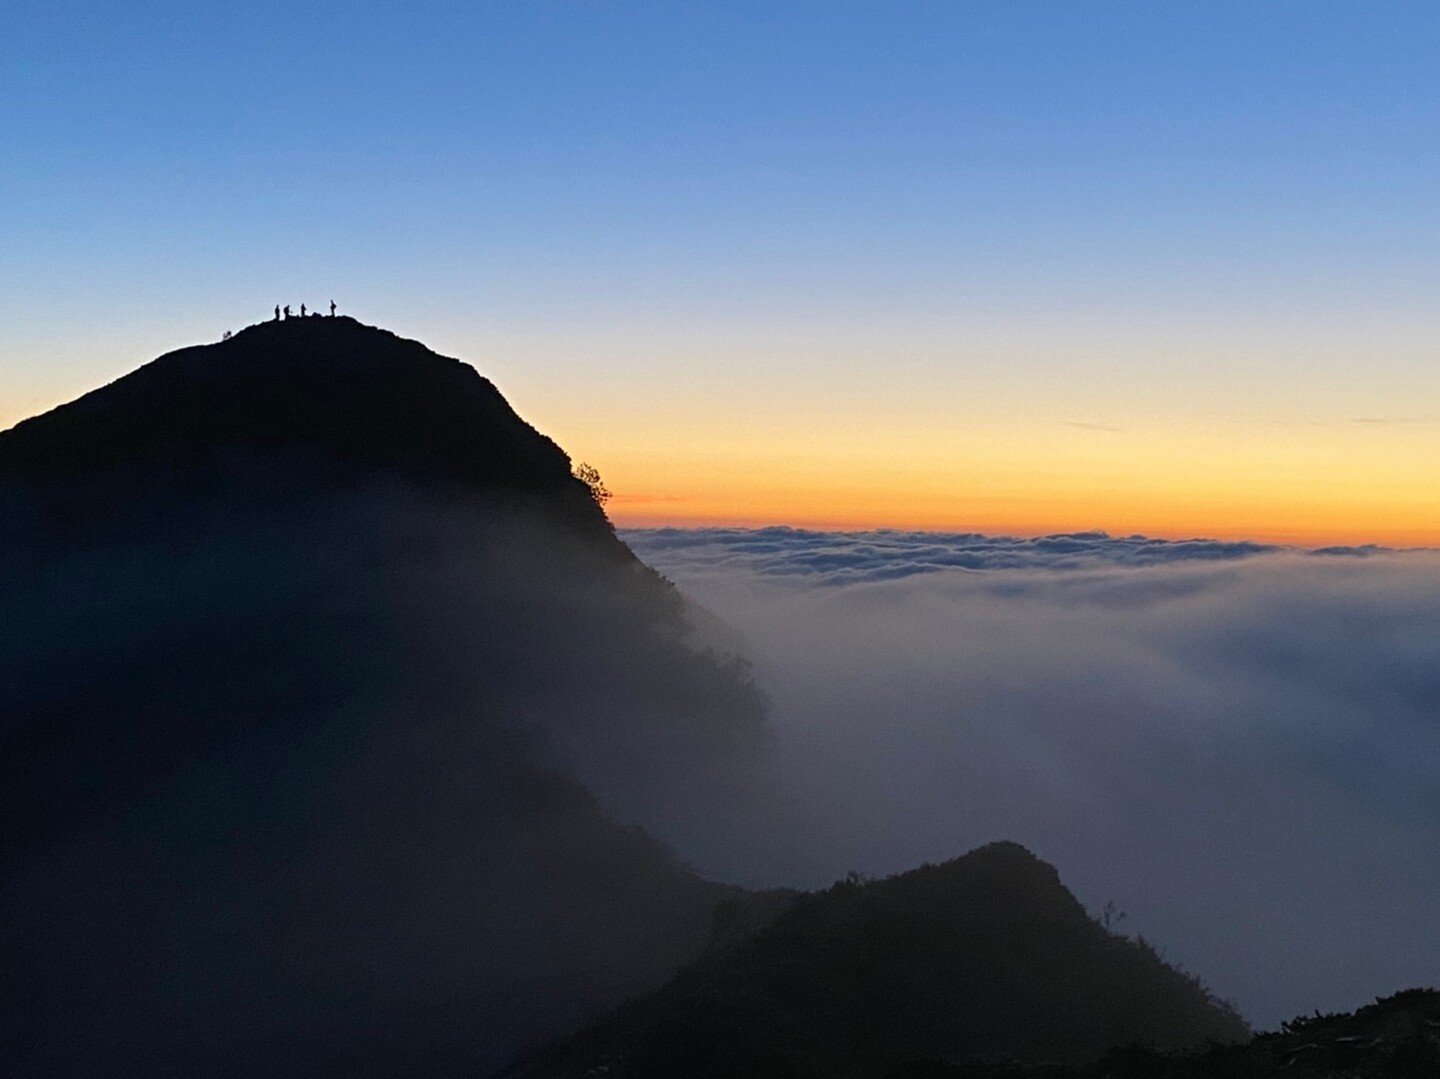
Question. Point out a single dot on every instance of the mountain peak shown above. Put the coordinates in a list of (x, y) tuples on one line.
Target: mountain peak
[(332, 388)]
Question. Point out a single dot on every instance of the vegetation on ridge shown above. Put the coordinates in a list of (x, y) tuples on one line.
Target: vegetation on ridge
[(1396, 1037)]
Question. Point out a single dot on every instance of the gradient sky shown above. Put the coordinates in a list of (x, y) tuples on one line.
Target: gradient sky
[(1006, 266)]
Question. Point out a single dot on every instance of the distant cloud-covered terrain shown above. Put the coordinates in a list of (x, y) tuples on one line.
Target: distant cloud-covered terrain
[(1237, 744)]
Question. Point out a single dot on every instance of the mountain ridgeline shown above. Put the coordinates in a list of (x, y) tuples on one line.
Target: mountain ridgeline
[(340, 735), (985, 955), (363, 397)]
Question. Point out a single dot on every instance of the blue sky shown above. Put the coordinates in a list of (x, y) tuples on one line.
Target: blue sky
[(605, 201)]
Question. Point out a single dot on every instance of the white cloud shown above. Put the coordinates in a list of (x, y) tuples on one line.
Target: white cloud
[(1240, 745)]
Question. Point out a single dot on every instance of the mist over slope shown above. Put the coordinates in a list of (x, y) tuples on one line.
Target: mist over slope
[(1238, 746), (309, 646)]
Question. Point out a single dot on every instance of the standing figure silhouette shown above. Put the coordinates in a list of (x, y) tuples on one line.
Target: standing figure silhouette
[(302, 310), (287, 310), (332, 308), (277, 312)]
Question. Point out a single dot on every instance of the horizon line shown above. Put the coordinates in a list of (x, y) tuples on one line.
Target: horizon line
[(1318, 539)]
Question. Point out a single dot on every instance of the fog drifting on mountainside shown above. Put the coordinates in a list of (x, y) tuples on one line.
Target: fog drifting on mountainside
[(1239, 746), (274, 781)]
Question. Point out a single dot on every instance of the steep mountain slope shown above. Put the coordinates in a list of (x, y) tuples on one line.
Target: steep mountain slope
[(307, 641), (986, 954)]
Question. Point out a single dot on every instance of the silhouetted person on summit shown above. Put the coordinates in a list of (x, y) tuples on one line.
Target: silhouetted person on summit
[(277, 312), (302, 310), (287, 310), (332, 308)]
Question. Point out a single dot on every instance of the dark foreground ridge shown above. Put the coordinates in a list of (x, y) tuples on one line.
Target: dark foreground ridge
[(1397, 1037), (987, 954)]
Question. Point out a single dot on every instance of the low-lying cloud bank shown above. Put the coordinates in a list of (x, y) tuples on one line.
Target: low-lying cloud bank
[(886, 554), (1237, 744)]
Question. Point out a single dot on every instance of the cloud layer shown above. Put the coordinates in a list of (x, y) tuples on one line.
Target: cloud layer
[(850, 557), (1239, 745)]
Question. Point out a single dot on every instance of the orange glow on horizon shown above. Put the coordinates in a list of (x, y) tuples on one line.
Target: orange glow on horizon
[(1318, 505), (1301, 484)]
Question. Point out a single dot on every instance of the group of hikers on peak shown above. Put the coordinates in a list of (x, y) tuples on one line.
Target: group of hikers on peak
[(312, 314)]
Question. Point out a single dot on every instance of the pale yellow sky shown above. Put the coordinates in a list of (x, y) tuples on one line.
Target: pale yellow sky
[(1279, 433), (1309, 485)]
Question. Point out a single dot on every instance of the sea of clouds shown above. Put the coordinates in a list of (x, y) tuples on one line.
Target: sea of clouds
[(1236, 744)]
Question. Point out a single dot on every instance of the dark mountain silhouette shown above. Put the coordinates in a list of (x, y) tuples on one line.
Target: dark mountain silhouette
[(363, 396), (1396, 1037), (986, 954), (309, 646), (320, 475)]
